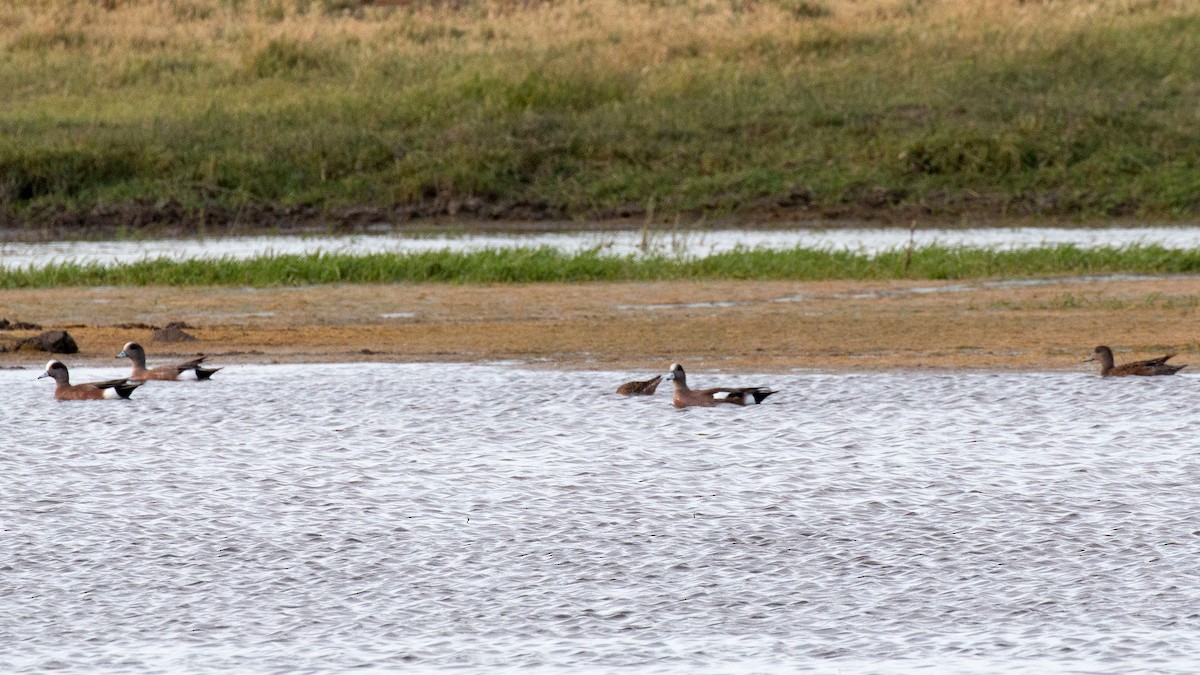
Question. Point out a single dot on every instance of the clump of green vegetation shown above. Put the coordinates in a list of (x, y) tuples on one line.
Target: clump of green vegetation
[(593, 108), (545, 264), (283, 58)]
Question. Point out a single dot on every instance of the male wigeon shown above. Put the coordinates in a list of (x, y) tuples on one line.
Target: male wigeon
[(685, 397), (640, 387), (1148, 367), (65, 391), (134, 352)]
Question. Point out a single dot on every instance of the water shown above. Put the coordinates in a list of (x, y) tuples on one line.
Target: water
[(685, 243), (428, 516)]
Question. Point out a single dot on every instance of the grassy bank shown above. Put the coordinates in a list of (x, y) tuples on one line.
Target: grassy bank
[(205, 110), (548, 264)]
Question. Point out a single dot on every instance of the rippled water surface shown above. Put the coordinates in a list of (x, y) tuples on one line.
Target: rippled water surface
[(684, 242), (502, 518)]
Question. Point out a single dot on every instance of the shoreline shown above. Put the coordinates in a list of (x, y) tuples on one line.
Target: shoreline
[(152, 222), (824, 326)]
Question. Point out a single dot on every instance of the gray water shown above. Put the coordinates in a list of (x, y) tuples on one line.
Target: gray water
[(495, 517), (683, 243)]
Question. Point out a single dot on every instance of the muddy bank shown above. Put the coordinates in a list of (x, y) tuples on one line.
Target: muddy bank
[(878, 206), (773, 326)]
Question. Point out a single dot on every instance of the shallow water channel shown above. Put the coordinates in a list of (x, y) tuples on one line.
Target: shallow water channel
[(16, 254), (496, 517)]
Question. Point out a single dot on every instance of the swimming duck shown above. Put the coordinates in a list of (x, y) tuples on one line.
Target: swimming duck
[(134, 352), (640, 387), (65, 391), (1148, 367), (685, 397)]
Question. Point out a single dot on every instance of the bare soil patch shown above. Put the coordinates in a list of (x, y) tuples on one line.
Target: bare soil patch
[(734, 325)]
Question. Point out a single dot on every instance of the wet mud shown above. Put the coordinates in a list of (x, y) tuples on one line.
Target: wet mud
[(769, 326)]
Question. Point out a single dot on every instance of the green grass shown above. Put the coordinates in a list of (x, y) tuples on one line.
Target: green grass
[(527, 265), (737, 107)]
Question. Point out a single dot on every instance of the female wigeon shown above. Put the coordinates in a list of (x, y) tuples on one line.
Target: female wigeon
[(134, 352), (1148, 367), (685, 397), (640, 387), (65, 391)]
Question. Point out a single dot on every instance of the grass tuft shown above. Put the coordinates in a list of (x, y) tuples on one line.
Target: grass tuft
[(547, 264), (290, 58)]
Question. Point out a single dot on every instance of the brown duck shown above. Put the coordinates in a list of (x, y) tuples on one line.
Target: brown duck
[(65, 391), (686, 397), (1148, 367), (134, 352), (640, 387)]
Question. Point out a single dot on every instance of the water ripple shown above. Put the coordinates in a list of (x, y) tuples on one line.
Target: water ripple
[(894, 522)]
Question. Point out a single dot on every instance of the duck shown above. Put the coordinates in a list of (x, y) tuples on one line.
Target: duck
[(686, 397), (640, 387), (65, 391), (1148, 367), (134, 352)]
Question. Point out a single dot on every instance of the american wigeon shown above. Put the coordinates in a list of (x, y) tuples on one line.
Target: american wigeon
[(685, 397), (1148, 367), (640, 387), (134, 352), (65, 391)]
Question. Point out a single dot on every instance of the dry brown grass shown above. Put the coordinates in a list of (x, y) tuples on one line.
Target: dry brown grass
[(614, 33)]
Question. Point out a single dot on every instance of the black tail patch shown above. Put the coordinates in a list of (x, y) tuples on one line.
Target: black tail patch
[(205, 373), (760, 395)]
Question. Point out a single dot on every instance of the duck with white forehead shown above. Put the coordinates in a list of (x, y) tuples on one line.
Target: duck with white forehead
[(191, 370), (686, 397), (86, 391)]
